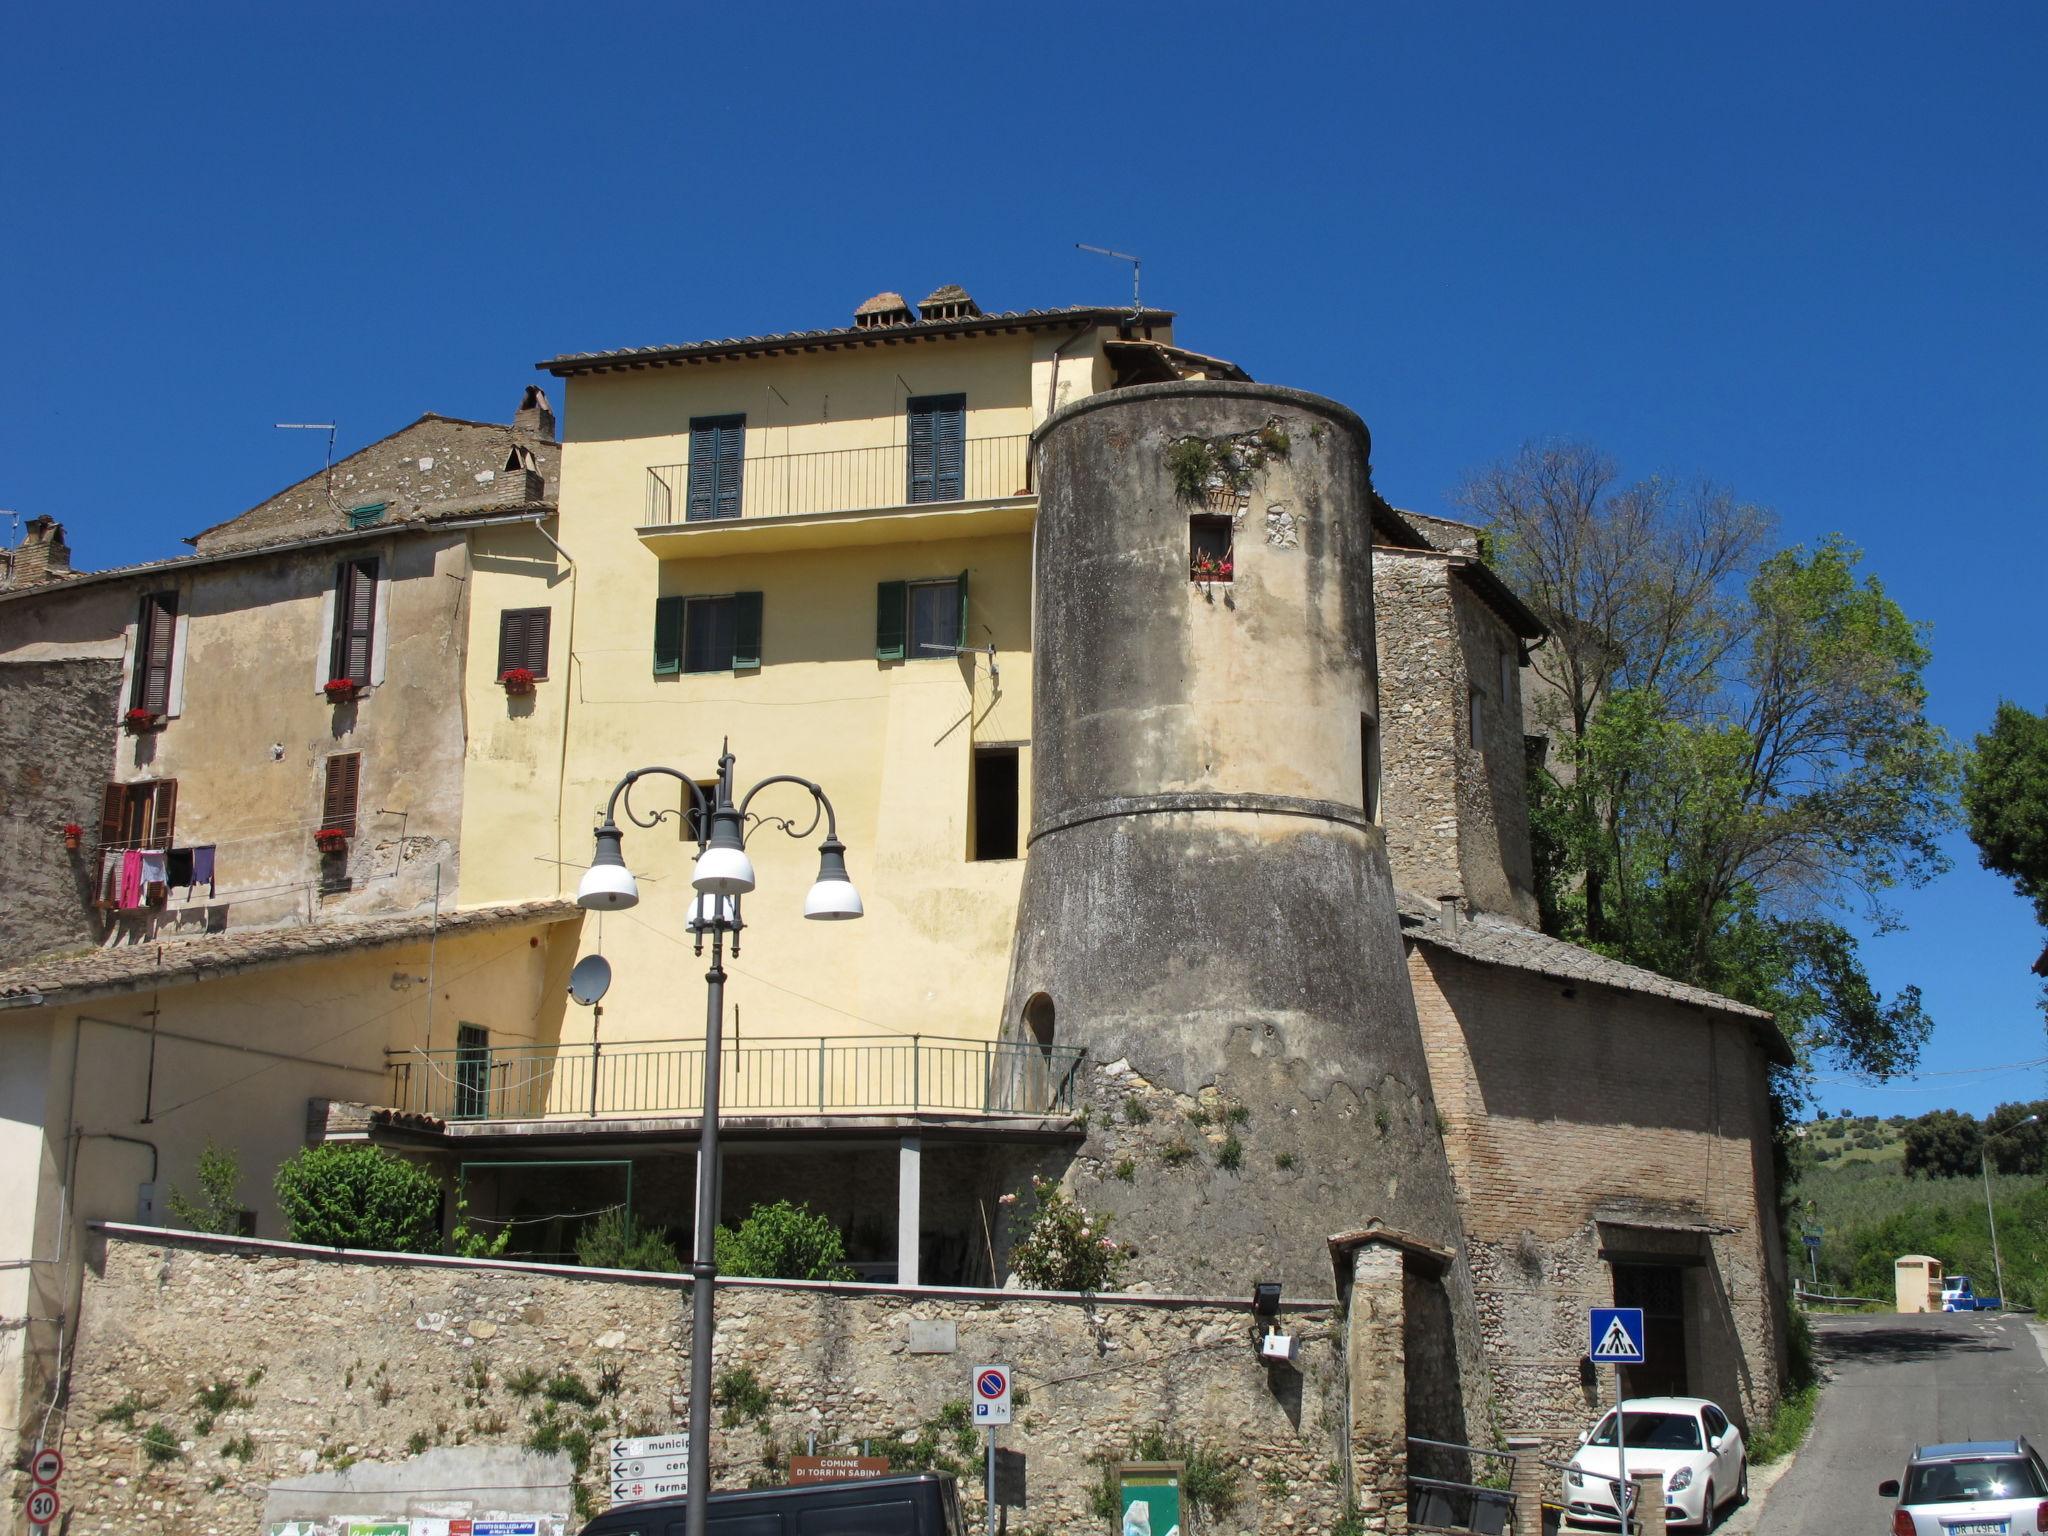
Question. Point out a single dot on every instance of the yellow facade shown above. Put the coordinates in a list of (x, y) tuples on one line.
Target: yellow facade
[(892, 742)]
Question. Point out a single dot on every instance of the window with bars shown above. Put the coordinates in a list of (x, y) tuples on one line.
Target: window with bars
[(355, 620), (718, 453), (140, 815), (338, 798), (156, 638), (523, 640), (938, 448)]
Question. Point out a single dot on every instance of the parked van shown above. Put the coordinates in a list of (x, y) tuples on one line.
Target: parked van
[(926, 1504)]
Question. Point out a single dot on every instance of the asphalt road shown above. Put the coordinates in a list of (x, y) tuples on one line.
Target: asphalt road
[(1894, 1382)]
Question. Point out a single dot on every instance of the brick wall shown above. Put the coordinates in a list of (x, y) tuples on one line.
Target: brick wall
[(1580, 1118), (358, 1357)]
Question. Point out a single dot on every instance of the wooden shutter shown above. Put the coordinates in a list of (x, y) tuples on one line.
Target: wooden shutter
[(718, 447), (938, 448), (960, 639), (892, 619), (746, 630), (113, 811), (668, 635), (338, 806), (162, 830), (523, 640), (923, 464), (538, 623), (355, 619), (156, 633)]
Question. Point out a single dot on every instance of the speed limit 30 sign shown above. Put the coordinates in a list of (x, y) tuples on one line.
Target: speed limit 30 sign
[(43, 1505)]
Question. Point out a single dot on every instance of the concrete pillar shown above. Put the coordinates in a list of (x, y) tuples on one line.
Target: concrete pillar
[(1649, 1502), (1376, 1363), (909, 1207), (1530, 1480)]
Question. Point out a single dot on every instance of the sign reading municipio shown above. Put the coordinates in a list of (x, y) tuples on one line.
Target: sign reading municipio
[(836, 1469)]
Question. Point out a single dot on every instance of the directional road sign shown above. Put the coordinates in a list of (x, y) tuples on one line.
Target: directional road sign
[(629, 1468), (991, 1394), (649, 1445), (47, 1465), (1617, 1334), (626, 1490)]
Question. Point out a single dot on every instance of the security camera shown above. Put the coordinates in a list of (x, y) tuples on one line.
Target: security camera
[(1281, 1348)]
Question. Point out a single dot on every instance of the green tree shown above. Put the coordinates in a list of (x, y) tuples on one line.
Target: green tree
[(2005, 796), (2017, 1148), (611, 1241), (353, 1195), (1943, 1145), (783, 1242), (219, 1206)]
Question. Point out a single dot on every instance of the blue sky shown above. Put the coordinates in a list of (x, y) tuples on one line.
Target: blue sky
[(1796, 248)]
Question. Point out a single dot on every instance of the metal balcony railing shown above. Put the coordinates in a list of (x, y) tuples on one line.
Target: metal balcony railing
[(830, 1075), (846, 480)]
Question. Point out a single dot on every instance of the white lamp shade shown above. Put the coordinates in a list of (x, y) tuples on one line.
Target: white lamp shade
[(607, 888), (723, 872), (832, 901)]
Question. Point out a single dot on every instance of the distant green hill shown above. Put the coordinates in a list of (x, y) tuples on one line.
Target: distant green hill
[(1848, 1180)]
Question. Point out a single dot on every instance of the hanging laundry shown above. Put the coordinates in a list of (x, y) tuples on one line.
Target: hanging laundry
[(109, 894), (152, 867), (178, 868), (202, 868), (131, 879)]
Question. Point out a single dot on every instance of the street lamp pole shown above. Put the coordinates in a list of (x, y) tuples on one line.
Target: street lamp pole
[(722, 875), (1984, 1167)]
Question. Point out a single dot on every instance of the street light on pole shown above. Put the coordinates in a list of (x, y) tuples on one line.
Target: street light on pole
[(722, 876), (1984, 1167)]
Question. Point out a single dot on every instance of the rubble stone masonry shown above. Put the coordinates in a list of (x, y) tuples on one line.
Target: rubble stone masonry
[(373, 1359)]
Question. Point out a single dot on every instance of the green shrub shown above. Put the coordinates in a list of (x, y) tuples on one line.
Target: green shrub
[(242, 1447), (159, 1444), (783, 1242), (740, 1393), (567, 1387), (1065, 1248), (611, 1241), (123, 1413), (353, 1195), (219, 1206), (1230, 1156), (1209, 1478)]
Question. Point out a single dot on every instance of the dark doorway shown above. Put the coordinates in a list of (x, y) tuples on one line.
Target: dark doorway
[(1659, 1289), (995, 803)]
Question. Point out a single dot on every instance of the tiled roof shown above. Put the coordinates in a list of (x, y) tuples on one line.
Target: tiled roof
[(68, 978), (1495, 941), (634, 357)]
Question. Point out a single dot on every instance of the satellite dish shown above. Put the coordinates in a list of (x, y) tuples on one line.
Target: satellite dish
[(590, 979)]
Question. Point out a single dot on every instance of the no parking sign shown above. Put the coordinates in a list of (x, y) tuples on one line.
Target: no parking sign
[(991, 1394)]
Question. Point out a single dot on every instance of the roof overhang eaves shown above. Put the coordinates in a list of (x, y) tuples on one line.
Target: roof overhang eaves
[(572, 364)]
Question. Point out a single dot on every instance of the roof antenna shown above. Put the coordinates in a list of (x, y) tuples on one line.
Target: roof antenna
[(316, 426), (1137, 309)]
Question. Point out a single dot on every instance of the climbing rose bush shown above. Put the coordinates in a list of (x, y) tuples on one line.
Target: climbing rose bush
[(1067, 1248)]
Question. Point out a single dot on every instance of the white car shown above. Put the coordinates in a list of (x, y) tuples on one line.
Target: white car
[(1688, 1439)]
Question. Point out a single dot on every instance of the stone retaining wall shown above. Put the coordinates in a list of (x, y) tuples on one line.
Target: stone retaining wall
[(339, 1357)]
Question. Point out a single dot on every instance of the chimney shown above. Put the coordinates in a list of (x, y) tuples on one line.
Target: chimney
[(952, 302), (534, 414), (42, 554), (884, 308)]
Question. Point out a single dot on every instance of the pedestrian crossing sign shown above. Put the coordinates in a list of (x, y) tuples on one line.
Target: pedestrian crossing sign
[(1617, 1335)]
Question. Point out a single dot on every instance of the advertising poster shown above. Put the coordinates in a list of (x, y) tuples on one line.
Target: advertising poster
[(1151, 1498)]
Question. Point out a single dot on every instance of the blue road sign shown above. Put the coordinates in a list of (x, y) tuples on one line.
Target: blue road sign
[(1617, 1334)]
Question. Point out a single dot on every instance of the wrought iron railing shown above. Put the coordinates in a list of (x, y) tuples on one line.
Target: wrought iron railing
[(846, 480), (830, 1075)]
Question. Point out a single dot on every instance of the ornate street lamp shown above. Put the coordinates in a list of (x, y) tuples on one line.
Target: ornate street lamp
[(723, 875)]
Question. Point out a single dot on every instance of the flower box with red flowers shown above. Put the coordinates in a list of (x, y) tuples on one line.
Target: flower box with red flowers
[(517, 680), (74, 834), (139, 720), (1208, 568), (331, 840), (340, 690)]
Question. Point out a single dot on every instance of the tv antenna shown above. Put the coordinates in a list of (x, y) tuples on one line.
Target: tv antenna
[(1103, 250), (315, 426)]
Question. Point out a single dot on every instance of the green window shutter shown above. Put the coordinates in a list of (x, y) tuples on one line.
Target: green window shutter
[(962, 641), (668, 635), (937, 432), (892, 602), (718, 446), (746, 630)]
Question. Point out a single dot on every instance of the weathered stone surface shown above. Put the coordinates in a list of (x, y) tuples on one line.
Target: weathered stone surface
[(369, 1359), (57, 729)]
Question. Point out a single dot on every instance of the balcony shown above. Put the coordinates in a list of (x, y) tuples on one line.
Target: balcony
[(825, 1077), (844, 496)]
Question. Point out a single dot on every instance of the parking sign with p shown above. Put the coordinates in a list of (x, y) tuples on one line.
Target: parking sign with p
[(991, 1394)]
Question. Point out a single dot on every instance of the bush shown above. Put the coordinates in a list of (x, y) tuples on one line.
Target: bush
[(358, 1196), (783, 1242), (610, 1242), (219, 1207), (1065, 1248)]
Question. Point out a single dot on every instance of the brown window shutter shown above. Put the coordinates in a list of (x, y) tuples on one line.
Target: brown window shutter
[(156, 632), (355, 617), (511, 640), (537, 641), (163, 813), (113, 810), (338, 812)]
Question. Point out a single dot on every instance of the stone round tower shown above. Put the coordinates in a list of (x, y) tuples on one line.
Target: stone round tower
[(1207, 906)]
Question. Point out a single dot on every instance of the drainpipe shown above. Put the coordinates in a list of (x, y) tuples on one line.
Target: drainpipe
[(569, 686), (1052, 394)]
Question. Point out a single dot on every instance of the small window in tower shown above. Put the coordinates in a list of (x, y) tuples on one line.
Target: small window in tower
[(994, 811), (1369, 764), (1210, 555), (1475, 719), (1507, 678)]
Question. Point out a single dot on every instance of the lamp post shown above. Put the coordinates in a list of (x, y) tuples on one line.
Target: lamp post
[(1984, 1167), (723, 874)]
